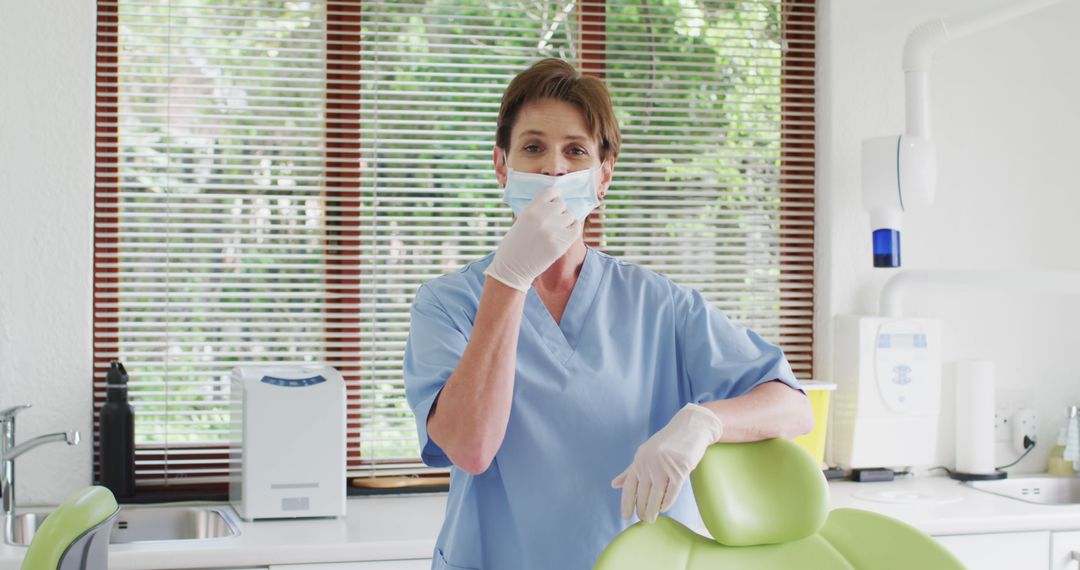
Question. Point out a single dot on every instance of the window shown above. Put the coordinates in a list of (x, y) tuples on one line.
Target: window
[(276, 178)]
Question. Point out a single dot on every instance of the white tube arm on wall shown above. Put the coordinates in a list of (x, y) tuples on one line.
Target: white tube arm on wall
[(926, 38), (1054, 282)]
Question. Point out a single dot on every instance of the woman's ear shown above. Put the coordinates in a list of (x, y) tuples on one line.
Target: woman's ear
[(499, 158), (607, 171)]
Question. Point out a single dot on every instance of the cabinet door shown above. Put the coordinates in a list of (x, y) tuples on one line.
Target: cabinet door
[(1000, 551), (1065, 551), (372, 565)]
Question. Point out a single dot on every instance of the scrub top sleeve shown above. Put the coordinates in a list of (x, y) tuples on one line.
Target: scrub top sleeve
[(719, 359), (434, 347)]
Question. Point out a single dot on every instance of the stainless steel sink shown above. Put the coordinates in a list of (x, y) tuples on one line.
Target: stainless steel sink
[(1041, 490), (143, 524)]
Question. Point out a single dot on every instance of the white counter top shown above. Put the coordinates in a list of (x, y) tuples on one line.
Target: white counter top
[(405, 527), (375, 528), (960, 510)]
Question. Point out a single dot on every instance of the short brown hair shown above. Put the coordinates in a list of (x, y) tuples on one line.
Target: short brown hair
[(554, 78)]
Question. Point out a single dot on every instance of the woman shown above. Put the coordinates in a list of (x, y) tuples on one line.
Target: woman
[(550, 375)]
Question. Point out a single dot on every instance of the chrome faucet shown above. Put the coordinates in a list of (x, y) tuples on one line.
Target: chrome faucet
[(9, 451)]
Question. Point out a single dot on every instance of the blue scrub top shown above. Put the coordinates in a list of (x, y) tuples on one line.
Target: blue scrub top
[(632, 348)]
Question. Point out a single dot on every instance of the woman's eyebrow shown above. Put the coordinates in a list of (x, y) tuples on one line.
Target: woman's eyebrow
[(539, 133)]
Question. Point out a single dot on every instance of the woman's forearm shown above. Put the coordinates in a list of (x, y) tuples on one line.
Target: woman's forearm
[(772, 409), (469, 420)]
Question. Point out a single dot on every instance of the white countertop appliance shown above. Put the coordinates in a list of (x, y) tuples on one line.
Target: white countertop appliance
[(291, 455), (888, 395)]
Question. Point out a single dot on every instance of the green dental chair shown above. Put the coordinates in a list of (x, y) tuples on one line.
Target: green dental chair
[(766, 505), (76, 535)]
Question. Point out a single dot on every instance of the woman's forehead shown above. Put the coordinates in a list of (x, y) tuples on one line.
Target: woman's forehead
[(547, 118)]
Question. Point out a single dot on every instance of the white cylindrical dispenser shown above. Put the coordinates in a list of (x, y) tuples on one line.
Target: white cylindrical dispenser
[(975, 421)]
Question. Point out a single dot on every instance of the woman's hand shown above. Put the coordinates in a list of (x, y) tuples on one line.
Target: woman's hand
[(662, 464), (542, 233)]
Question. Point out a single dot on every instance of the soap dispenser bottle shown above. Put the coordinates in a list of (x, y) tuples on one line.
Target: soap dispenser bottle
[(1056, 464), (117, 445)]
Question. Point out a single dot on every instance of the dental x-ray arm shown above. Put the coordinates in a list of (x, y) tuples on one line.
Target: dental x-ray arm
[(899, 171)]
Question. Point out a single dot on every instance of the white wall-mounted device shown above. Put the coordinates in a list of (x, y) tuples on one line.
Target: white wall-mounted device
[(291, 456), (888, 397), (899, 172)]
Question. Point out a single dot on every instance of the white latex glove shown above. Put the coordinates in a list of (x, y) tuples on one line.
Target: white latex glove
[(540, 235), (663, 463)]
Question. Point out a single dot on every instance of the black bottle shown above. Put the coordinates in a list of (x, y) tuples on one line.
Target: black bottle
[(117, 435)]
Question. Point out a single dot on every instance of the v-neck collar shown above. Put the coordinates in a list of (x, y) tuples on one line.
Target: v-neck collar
[(561, 338)]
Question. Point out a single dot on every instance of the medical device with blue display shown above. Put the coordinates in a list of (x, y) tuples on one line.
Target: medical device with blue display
[(288, 452)]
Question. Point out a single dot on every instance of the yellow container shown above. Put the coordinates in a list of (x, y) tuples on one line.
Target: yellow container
[(814, 442)]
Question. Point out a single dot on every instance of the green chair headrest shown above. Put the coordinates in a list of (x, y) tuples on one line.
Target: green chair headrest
[(764, 492), (82, 512)]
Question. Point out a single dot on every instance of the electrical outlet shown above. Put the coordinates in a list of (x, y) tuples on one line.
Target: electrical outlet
[(1025, 426), (1002, 424)]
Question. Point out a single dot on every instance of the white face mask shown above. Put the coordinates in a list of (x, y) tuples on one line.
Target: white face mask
[(578, 189)]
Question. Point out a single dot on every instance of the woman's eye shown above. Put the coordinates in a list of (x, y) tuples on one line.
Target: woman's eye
[(578, 151), (532, 148)]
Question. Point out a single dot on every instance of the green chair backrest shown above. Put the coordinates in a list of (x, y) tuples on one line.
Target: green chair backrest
[(874, 541), (76, 534), (766, 506)]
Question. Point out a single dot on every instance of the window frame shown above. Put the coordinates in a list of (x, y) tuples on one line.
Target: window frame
[(343, 155)]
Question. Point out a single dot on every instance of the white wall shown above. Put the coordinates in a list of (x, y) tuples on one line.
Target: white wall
[(1003, 112), (46, 208), (1004, 117)]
